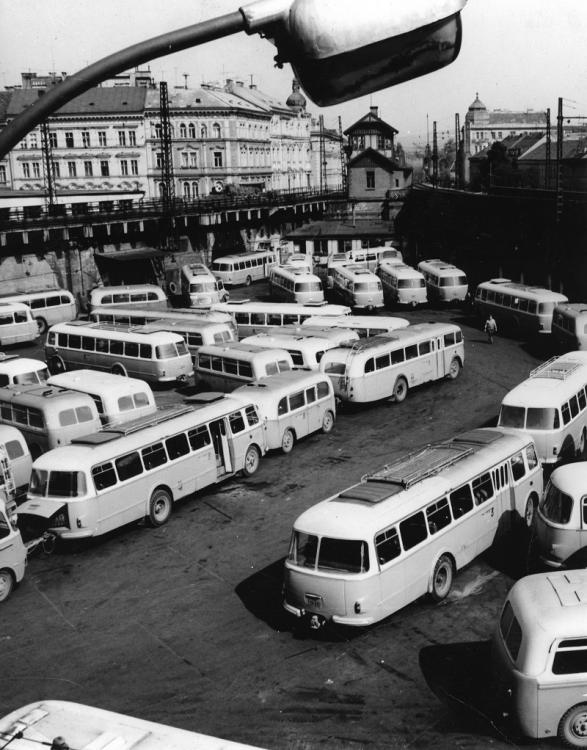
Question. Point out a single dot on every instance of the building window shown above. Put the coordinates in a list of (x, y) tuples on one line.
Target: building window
[(195, 190), (370, 177), (69, 140), (53, 140), (104, 168), (184, 159), (500, 135), (134, 166), (86, 138), (186, 190), (121, 138), (132, 138), (159, 160), (88, 171), (380, 142), (101, 137), (36, 169), (216, 130), (71, 170), (33, 140), (193, 158), (217, 158), (158, 131), (26, 170), (2, 174), (56, 169), (192, 130), (123, 167), (183, 133)]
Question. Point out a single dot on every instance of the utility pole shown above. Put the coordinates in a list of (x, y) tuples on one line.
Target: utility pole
[(457, 151), (434, 155), (48, 164), (548, 141), (167, 176), (323, 182), (559, 159), (342, 155)]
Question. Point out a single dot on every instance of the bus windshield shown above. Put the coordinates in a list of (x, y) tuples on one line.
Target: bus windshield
[(556, 506), (453, 281), (57, 483), (363, 286), (512, 416), (532, 419), (33, 377), (341, 555), (308, 286), (411, 283), (207, 286)]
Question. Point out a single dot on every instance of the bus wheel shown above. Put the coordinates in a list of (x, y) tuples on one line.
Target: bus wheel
[(454, 369), (248, 281), (287, 441), (442, 578), (529, 511), (572, 730), (160, 506), (400, 390), (6, 584), (118, 370), (252, 460), (327, 421), (42, 325), (56, 365)]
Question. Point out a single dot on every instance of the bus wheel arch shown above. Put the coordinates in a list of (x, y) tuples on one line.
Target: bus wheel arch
[(442, 577), (572, 728), (288, 440), (400, 389), (42, 325), (56, 365), (252, 460), (160, 506), (35, 451), (118, 369), (7, 583), (455, 367), (248, 281), (582, 442), (327, 421)]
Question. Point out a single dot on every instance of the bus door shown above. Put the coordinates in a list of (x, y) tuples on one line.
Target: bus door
[(427, 359), (487, 502), (440, 357), (221, 446)]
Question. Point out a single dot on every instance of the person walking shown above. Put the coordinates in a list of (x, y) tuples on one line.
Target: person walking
[(490, 328)]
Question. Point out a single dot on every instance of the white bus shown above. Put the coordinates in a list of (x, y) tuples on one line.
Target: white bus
[(110, 478), (255, 317), (18, 456), (373, 256), (224, 368), (364, 325), (138, 316), (17, 325), (299, 260), (198, 286), (444, 282), (517, 307), (550, 406), (387, 366), (147, 295), (295, 284), (402, 284), (13, 553), (306, 347), (244, 268), (60, 725), (158, 356), (47, 307), (569, 326), (15, 370), (47, 416), (405, 530), (292, 405), (357, 287), (118, 399)]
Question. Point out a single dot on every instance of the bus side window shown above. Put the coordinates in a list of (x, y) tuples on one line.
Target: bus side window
[(574, 404), (199, 437), (482, 488), (370, 365), (177, 446), (517, 463), (461, 501), (566, 411), (584, 512), (310, 395), (237, 422), (252, 416), (438, 515), (104, 476), (282, 406), (14, 449), (531, 457), (129, 466), (571, 657), (582, 399), (413, 530), (154, 455), (387, 545)]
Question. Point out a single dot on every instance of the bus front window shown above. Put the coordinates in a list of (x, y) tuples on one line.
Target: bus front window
[(512, 416), (303, 549), (344, 555), (335, 368), (166, 351), (38, 483), (542, 419), (556, 506), (67, 484)]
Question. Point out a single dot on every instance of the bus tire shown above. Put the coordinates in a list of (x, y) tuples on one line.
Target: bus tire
[(400, 390), (442, 578), (572, 728), (288, 441), (252, 460), (327, 422), (56, 365), (160, 506), (173, 288), (248, 281), (6, 584), (42, 325), (118, 369), (455, 368), (530, 511)]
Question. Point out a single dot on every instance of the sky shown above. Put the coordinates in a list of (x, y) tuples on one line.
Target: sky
[(517, 54)]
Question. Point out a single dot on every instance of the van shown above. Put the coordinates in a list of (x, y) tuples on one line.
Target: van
[(17, 325), (147, 295), (224, 368), (15, 370), (19, 459), (47, 307), (199, 287)]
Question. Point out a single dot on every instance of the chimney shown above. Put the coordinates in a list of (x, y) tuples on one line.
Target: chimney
[(374, 111), (240, 83), (229, 84), (252, 85)]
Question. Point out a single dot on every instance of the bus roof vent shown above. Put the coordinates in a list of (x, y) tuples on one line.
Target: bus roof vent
[(419, 465), (556, 368), (370, 492), (481, 436)]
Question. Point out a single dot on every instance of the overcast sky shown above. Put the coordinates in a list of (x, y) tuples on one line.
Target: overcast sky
[(518, 54)]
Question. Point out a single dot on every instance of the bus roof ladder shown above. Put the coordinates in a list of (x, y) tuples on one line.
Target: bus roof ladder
[(420, 464), (555, 367)]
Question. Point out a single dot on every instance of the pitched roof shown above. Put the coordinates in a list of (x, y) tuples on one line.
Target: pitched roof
[(371, 121), (372, 155), (107, 99), (200, 98)]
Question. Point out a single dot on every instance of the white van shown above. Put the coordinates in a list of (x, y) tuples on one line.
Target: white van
[(118, 399), (225, 367), (47, 307), (17, 325), (292, 405), (199, 286), (19, 458), (15, 370), (146, 295)]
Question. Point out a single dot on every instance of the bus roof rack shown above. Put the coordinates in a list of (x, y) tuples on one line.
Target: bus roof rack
[(555, 368), (113, 432)]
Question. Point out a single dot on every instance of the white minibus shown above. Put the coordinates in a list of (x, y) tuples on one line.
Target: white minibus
[(47, 307), (138, 316), (569, 326), (15, 370), (155, 356), (224, 368), (387, 366), (560, 532), (117, 398), (551, 406), (306, 347), (244, 268), (110, 478), (147, 295), (17, 325), (47, 416), (255, 317), (62, 725), (335, 335), (405, 530), (357, 287), (292, 405), (295, 284), (199, 286), (364, 325), (300, 260), (402, 284), (444, 282), (539, 657), (517, 307), (19, 458), (372, 256)]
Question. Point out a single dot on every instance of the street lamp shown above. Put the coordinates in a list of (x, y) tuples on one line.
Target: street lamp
[(337, 50)]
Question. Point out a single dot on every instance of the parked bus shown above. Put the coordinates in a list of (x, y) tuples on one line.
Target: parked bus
[(560, 531), (47, 416), (550, 406), (224, 368), (198, 286), (357, 287), (62, 725), (373, 256), (569, 326), (306, 347), (110, 478), (118, 399), (146, 295), (139, 316), (334, 335), (387, 366), (405, 530), (364, 325), (539, 656), (300, 260), (244, 268), (444, 282), (155, 356), (14, 449), (402, 284), (255, 317), (48, 307), (295, 284), (517, 307), (17, 325), (292, 405), (15, 370), (12, 549)]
